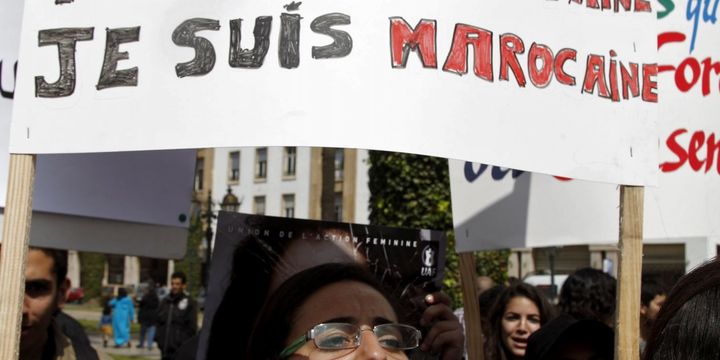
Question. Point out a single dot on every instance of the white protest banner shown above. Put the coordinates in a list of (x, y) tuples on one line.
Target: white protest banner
[(536, 85), (125, 203), (496, 208)]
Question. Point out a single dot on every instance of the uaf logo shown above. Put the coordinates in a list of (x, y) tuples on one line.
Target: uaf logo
[(428, 260), (428, 256)]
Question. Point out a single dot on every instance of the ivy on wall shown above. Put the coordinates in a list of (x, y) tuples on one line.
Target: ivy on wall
[(408, 190)]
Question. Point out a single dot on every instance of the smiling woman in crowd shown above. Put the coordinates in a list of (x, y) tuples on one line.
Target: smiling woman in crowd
[(519, 311)]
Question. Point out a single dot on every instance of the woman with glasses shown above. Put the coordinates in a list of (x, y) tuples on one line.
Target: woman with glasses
[(519, 311), (337, 311)]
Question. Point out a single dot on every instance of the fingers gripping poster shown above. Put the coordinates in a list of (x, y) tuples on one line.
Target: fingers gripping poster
[(566, 88)]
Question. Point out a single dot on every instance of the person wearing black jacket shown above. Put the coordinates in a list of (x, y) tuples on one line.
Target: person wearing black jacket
[(147, 316), (75, 332), (176, 318)]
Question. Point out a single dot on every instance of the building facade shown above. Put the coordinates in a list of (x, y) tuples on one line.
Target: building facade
[(287, 181)]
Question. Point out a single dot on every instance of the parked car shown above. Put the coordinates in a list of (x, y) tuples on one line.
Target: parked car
[(76, 295)]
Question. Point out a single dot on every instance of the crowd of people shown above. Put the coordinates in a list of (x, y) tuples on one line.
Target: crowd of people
[(677, 324), (48, 333), (340, 311), (170, 320)]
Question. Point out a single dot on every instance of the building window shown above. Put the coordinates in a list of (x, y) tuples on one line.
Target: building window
[(339, 164), (199, 173), (288, 205), (260, 163), (259, 205), (116, 269), (338, 207), (289, 161), (234, 166)]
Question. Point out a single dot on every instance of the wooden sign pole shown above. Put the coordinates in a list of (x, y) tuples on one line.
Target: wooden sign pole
[(16, 235), (473, 329), (627, 312)]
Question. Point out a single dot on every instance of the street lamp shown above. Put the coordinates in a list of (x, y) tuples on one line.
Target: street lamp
[(208, 215), (230, 202)]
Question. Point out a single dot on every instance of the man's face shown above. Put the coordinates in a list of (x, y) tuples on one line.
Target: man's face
[(42, 297), (176, 286), (650, 312)]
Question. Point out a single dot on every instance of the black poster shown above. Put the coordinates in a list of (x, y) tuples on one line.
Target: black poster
[(254, 254)]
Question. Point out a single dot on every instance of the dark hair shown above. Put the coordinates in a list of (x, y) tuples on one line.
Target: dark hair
[(589, 294), (60, 262), (276, 319), (495, 349), (179, 275), (252, 266), (486, 299), (687, 326), (122, 292), (549, 340), (650, 289)]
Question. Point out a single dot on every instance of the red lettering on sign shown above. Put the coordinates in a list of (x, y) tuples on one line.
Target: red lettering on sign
[(510, 46), (481, 41), (595, 75), (560, 74), (695, 156), (630, 80), (404, 38), (540, 77), (690, 71), (616, 5), (649, 92)]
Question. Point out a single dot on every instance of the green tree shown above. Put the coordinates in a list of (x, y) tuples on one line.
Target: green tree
[(413, 191), (191, 264), (93, 269), (493, 264)]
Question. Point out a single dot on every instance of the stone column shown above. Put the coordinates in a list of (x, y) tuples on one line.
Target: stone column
[(73, 272)]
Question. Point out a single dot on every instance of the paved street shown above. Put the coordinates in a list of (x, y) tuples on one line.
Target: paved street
[(96, 341), (96, 338)]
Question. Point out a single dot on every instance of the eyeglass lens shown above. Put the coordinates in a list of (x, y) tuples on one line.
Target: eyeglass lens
[(344, 336)]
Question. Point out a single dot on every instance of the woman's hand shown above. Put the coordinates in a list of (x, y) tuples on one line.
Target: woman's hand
[(445, 336)]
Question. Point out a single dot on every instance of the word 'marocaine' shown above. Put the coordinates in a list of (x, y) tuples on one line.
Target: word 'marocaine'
[(184, 35), (542, 64)]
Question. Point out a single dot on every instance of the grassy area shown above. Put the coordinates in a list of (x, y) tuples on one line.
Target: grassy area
[(126, 357), (91, 327), (88, 306)]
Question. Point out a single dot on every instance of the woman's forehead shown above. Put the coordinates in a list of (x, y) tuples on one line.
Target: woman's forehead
[(355, 301), (303, 254)]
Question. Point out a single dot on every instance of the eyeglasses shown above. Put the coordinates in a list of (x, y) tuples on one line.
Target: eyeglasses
[(339, 336)]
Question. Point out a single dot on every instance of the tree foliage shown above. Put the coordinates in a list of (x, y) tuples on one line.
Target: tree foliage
[(413, 191), (191, 264), (91, 276)]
